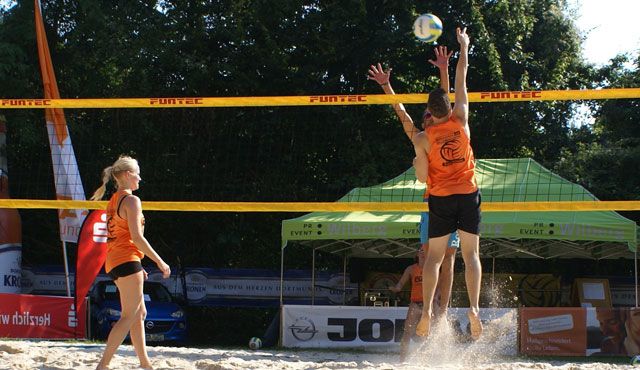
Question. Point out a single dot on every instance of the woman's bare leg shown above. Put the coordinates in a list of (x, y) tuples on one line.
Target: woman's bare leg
[(138, 339), (130, 288)]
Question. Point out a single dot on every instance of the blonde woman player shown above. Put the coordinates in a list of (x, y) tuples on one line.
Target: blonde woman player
[(126, 247)]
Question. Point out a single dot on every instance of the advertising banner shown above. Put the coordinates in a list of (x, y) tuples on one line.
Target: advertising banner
[(92, 252), (260, 288), (380, 327), (28, 316), (554, 331), (343, 326), (219, 287), (65, 167), (576, 331)]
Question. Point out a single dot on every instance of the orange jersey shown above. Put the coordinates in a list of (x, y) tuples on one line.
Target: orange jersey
[(451, 160), (120, 247), (416, 283)]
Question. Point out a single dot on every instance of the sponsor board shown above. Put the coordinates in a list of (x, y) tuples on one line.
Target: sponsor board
[(221, 287), (29, 316), (306, 326)]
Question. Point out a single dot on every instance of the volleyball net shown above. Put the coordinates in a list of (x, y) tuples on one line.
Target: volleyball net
[(315, 100), (277, 154)]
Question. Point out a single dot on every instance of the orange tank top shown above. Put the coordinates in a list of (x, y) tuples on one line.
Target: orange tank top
[(451, 160), (416, 283), (120, 247)]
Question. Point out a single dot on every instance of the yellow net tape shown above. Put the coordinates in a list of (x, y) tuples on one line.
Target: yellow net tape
[(315, 100), (323, 206)]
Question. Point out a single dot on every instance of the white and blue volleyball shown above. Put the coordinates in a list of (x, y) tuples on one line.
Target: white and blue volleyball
[(255, 343), (427, 27)]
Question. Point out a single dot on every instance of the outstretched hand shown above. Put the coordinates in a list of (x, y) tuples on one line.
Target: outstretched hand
[(378, 74), (463, 38), (442, 57)]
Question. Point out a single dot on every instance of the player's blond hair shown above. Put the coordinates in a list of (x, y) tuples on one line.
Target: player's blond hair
[(124, 163)]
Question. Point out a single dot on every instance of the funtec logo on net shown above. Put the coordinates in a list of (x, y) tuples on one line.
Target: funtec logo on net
[(337, 98)]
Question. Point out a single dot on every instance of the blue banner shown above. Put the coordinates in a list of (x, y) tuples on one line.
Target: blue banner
[(221, 287)]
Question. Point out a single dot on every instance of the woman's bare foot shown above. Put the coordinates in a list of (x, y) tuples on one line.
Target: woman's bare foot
[(424, 326), (475, 325)]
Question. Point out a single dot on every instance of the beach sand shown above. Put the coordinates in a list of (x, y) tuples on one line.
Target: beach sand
[(496, 349), (25, 354)]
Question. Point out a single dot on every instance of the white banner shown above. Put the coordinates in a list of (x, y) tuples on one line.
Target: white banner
[(341, 326), (65, 168), (213, 287), (68, 184), (377, 327), (10, 267)]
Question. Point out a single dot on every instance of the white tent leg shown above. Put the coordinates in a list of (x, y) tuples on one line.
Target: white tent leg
[(313, 277), (635, 261), (281, 313), (282, 277)]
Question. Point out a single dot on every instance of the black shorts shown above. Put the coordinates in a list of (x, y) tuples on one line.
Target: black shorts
[(125, 269), (454, 212)]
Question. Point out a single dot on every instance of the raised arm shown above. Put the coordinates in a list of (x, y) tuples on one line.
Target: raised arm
[(421, 160), (461, 106), (442, 62), (378, 74)]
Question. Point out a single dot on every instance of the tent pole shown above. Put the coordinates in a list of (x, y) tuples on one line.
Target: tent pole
[(344, 279), (281, 313), (313, 277), (282, 276), (635, 261)]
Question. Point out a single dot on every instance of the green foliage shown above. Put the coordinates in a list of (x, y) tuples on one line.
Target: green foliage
[(605, 170), (604, 159), (255, 48)]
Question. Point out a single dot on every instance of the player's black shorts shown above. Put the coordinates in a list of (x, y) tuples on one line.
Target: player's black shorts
[(454, 212), (125, 269)]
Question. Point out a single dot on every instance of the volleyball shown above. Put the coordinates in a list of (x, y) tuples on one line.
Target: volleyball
[(427, 27), (255, 343), (635, 360)]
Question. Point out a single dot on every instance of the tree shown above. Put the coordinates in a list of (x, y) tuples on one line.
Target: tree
[(253, 48), (604, 160)]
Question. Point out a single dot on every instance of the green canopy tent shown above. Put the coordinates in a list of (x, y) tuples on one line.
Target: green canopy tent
[(542, 235)]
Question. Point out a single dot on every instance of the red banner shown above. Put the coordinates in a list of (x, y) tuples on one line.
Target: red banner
[(32, 316), (553, 331), (92, 252)]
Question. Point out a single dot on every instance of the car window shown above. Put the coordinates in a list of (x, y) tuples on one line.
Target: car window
[(157, 293), (111, 293), (152, 293)]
